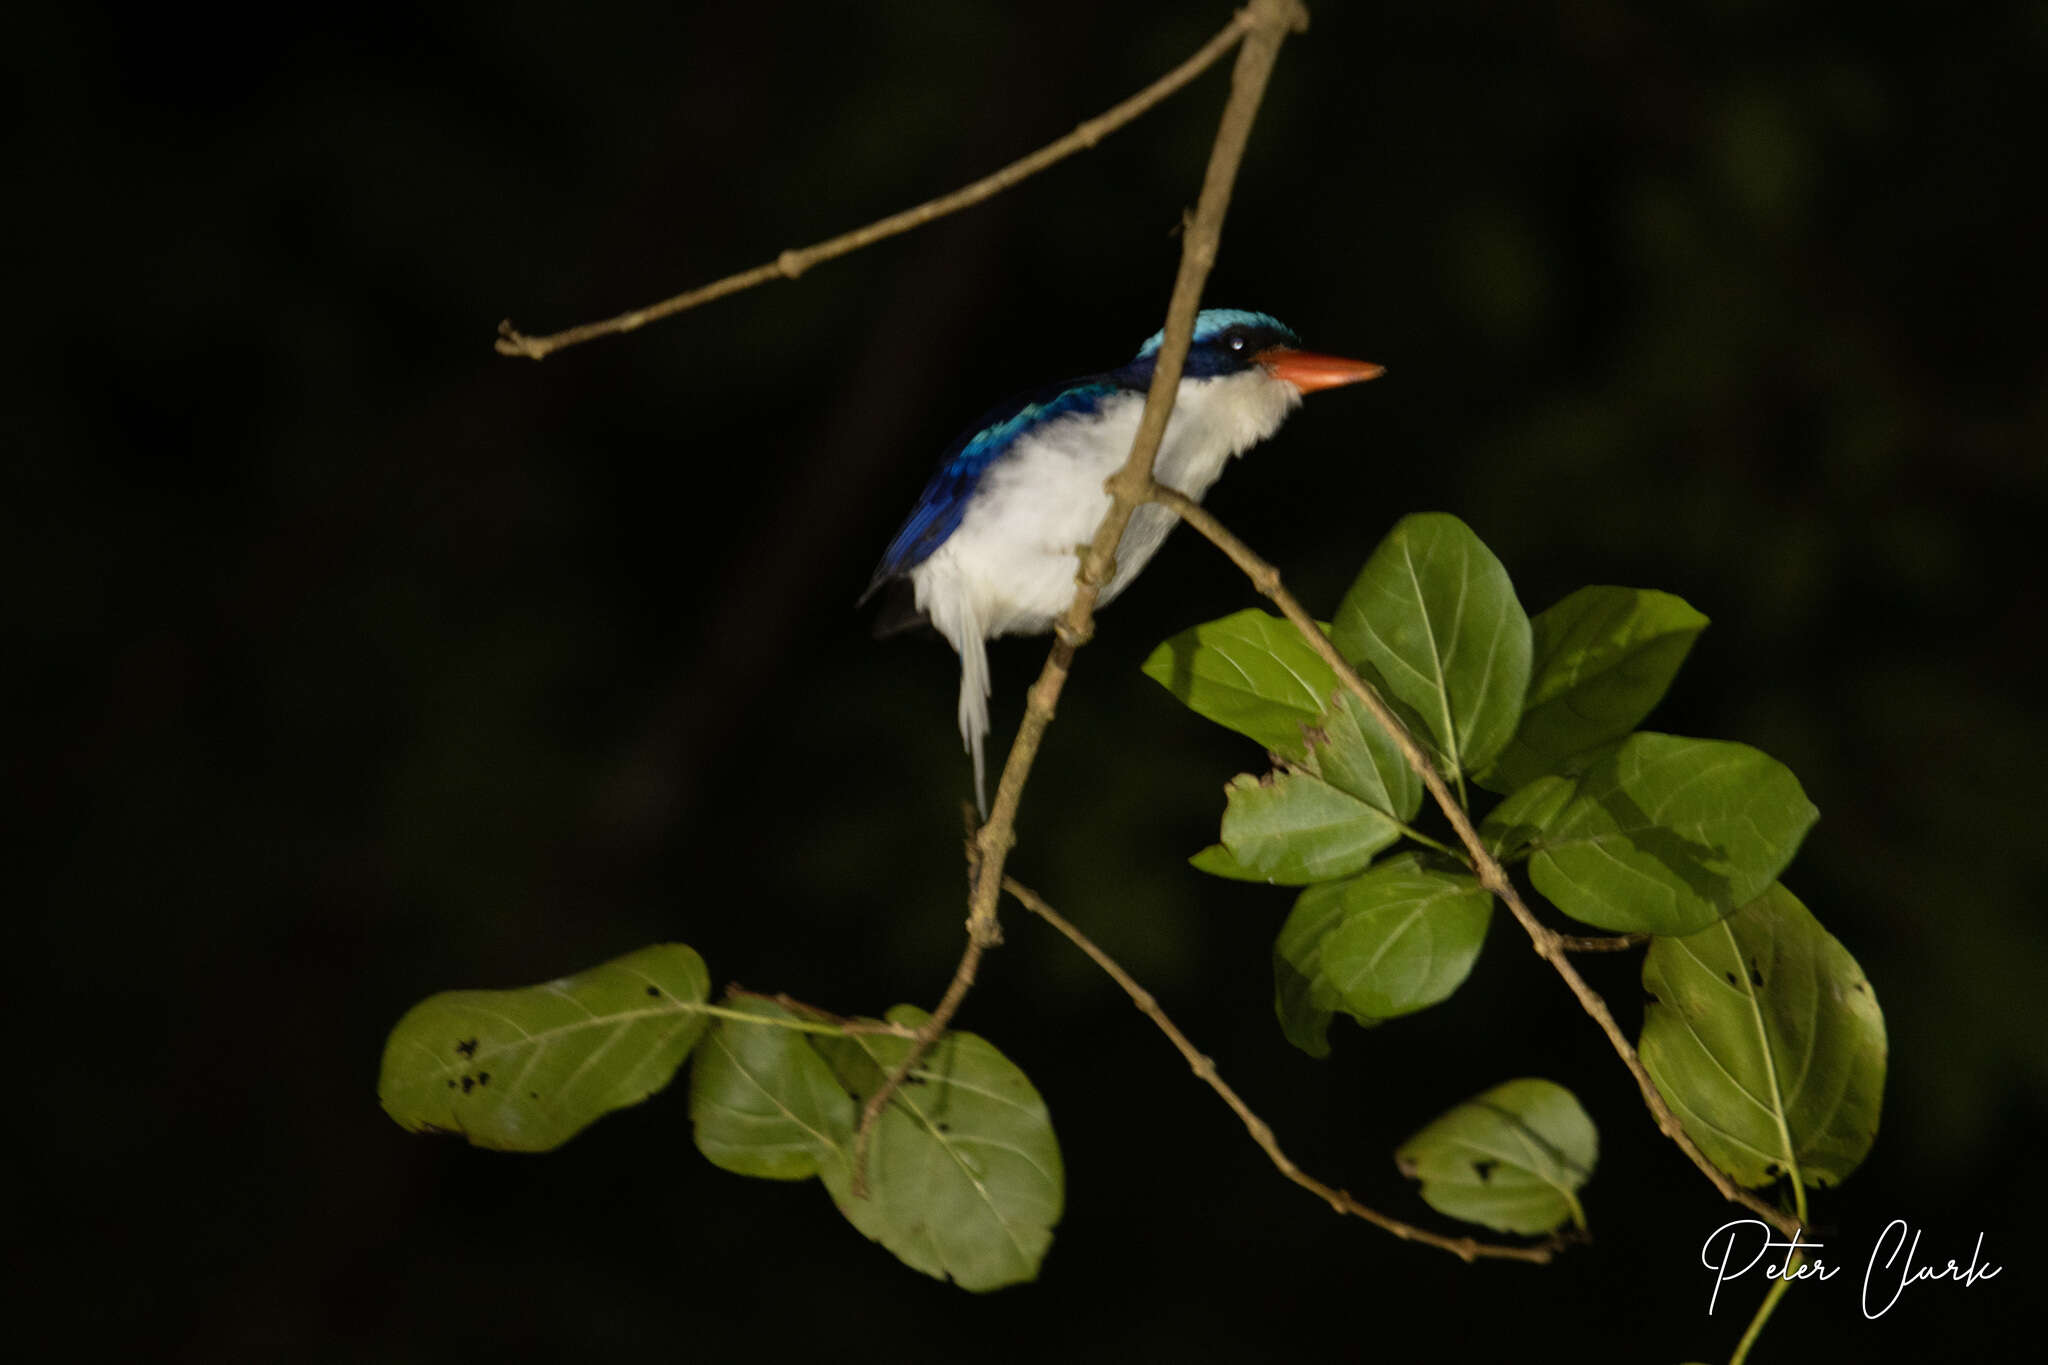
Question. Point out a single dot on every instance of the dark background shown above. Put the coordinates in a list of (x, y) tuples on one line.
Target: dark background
[(355, 662)]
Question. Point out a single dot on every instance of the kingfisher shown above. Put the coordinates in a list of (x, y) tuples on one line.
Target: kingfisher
[(992, 546)]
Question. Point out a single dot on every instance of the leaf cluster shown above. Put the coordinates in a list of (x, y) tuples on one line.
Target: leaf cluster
[(1762, 1031), (964, 1179)]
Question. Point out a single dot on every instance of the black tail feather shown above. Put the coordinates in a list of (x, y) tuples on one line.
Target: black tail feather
[(898, 614)]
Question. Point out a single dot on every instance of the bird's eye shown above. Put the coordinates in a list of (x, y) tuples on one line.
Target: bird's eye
[(1237, 342)]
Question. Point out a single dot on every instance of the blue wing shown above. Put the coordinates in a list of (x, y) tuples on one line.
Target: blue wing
[(953, 484)]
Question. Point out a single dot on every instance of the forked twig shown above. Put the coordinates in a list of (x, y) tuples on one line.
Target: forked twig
[(792, 263), (1340, 1201)]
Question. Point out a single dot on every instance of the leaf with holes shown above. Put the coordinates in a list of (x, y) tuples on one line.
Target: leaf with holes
[(1666, 835), (1603, 658), (964, 1174), (1295, 829), (1512, 1159), (763, 1102), (1434, 615), (526, 1070), (1767, 1042), (1250, 672), (1393, 940)]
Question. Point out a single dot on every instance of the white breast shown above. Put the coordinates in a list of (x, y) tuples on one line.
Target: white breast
[(1009, 567)]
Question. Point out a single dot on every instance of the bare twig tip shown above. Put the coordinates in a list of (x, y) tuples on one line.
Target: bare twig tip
[(512, 341)]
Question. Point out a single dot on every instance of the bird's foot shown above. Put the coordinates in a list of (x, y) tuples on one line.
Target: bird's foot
[(1071, 637)]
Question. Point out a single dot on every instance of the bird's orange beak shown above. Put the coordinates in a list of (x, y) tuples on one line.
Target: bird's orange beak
[(1309, 372)]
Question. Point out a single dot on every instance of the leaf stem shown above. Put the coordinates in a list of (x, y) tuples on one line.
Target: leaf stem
[(1779, 1285), (844, 1028), (1419, 837)]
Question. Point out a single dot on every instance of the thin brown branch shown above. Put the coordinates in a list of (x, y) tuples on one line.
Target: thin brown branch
[(795, 262), (1589, 943), (1340, 1201), (1549, 944), (1266, 25)]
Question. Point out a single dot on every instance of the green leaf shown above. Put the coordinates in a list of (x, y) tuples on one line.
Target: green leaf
[(1295, 829), (964, 1174), (1603, 658), (1512, 1159), (1407, 940), (1393, 940), (1518, 821), (1302, 998), (526, 1070), (764, 1103), (1216, 860), (1767, 1042), (1667, 835), (1350, 751), (1434, 615), (1249, 672)]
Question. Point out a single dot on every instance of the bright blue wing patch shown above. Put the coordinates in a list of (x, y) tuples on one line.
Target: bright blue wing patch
[(1212, 322), (944, 500)]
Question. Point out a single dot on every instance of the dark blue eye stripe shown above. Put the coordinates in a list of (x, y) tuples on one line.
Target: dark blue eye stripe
[(1211, 323)]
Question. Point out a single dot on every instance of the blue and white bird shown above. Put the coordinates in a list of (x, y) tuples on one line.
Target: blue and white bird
[(992, 546)]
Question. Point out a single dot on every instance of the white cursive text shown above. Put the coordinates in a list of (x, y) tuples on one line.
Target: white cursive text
[(1725, 1239), (1902, 1252)]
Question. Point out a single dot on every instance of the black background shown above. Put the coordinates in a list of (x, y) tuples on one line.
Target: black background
[(357, 662)]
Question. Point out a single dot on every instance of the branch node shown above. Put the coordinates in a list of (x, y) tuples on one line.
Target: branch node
[(792, 263), (512, 341), (1094, 571)]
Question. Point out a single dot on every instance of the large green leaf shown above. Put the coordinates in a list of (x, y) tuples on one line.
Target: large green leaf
[(1393, 940), (1667, 835), (1350, 751), (525, 1070), (1294, 829), (1767, 1042), (763, 1102), (1512, 1159), (964, 1174), (1434, 616), (1303, 998), (1603, 658), (1250, 672)]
